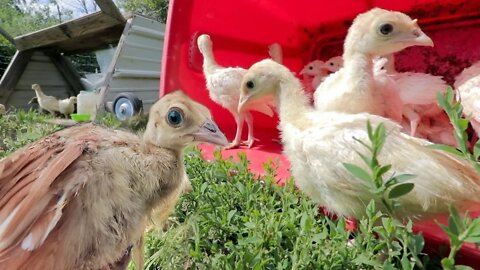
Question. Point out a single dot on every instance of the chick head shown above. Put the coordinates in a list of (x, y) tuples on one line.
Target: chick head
[(262, 82), (381, 32), (35, 86), (334, 64), (175, 121), (204, 43), (313, 68)]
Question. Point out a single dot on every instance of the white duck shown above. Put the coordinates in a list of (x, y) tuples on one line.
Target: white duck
[(318, 142), (223, 84), (353, 88)]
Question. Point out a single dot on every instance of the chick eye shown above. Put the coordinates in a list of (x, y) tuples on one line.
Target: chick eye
[(250, 84), (331, 64), (386, 29), (175, 117), (310, 67)]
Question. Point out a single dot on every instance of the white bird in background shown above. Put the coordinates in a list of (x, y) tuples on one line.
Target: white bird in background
[(315, 72), (67, 106), (354, 89), (317, 143), (47, 103), (418, 92), (223, 84), (467, 84)]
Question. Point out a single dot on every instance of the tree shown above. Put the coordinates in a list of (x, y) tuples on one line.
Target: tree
[(157, 9)]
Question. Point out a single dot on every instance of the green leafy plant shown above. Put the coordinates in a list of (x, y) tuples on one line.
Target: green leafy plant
[(390, 189), (454, 111), (459, 230)]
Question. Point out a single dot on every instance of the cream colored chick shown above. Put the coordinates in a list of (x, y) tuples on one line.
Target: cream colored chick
[(67, 106), (47, 103), (80, 198), (2, 109), (315, 72), (467, 84), (353, 88), (317, 143), (418, 92), (223, 84)]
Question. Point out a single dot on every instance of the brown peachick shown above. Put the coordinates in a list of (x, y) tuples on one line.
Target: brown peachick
[(80, 198)]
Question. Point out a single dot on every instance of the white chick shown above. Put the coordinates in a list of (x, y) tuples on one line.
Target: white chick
[(315, 72), (334, 64), (467, 84), (67, 106), (317, 143), (47, 103), (353, 88), (223, 84), (418, 92)]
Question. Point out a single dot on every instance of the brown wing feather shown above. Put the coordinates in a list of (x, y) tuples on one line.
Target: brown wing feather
[(29, 206)]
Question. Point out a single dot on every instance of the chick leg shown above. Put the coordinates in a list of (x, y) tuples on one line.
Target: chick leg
[(251, 139), (239, 118), (414, 119)]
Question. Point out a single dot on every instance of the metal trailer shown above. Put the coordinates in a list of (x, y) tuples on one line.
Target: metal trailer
[(128, 49)]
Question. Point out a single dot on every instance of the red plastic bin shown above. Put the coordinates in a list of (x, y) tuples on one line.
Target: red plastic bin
[(307, 29)]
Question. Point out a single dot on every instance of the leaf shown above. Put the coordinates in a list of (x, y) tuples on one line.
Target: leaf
[(380, 136), (442, 101), (473, 230), (445, 148), (463, 267), (358, 172), (380, 171), (448, 263), (462, 124), (400, 189), (456, 218), (476, 150), (230, 215), (406, 264), (404, 177)]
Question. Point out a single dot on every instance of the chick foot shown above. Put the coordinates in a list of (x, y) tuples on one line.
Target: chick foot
[(249, 142), (233, 144)]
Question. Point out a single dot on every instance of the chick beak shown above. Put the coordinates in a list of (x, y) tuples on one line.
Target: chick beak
[(417, 37), (210, 133)]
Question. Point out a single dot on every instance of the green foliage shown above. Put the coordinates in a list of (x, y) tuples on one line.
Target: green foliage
[(21, 128), (233, 220), (388, 190), (157, 9), (18, 18), (459, 231), (454, 111)]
